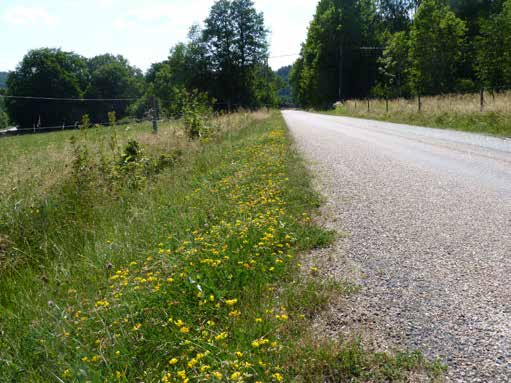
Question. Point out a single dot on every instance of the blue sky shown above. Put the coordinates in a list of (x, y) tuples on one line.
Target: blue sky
[(142, 31)]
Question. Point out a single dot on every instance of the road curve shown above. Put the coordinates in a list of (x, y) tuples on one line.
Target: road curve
[(428, 213)]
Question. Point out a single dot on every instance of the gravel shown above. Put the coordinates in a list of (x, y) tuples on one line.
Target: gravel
[(427, 217)]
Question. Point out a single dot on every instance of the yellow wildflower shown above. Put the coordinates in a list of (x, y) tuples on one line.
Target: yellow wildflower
[(173, 361), (231, 302), (235, 314), (102, 303), (205, 368)]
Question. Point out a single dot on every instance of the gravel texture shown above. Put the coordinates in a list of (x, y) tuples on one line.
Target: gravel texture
[(427, 217)]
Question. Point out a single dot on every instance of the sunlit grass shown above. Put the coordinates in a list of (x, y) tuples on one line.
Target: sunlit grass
[(459, 112), (192, 275)]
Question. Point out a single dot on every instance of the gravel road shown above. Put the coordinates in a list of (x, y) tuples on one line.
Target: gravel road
[(427, 214)]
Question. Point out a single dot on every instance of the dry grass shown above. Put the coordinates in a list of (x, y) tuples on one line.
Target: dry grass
[(41, 161), (452, 111), (449, 103)]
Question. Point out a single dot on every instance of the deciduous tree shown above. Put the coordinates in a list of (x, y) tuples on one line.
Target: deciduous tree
[(437, 40)]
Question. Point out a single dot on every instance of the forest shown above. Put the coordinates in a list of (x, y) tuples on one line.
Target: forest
[(402, 48), (223, 63), (354, 49)]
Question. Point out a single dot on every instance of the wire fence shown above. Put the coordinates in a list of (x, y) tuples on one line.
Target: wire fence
[(75, 108), (78, 126), (488, 99)]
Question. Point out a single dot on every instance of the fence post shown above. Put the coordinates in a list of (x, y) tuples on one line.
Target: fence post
[(481, 99), (419, 102), (368, 105), (155, 121), (387, 104)]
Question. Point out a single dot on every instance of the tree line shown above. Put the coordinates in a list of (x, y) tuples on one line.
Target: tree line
[(223, 62), (401, 48)]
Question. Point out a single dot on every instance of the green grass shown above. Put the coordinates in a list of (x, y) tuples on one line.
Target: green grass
[(444, 112), (129, 272)]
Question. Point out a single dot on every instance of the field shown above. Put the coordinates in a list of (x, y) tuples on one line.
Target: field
[(458, 112), (128, 257)]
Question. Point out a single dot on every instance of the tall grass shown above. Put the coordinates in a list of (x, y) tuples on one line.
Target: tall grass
[(452, 111), (122, 271)]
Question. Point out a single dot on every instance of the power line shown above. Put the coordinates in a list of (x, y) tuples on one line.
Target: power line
[(66, 99)]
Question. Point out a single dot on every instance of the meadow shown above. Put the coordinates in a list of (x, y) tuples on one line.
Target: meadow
[(129, 257), (450, 111)]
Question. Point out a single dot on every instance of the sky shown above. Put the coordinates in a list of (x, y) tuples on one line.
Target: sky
[(142, 31)]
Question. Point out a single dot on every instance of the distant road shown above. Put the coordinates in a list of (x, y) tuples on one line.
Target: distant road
[(428, 213)]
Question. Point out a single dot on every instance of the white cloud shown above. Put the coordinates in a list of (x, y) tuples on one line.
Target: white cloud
[(20, 15)]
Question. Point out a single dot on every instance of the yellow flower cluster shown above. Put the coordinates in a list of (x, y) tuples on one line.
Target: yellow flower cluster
[(198, 275)]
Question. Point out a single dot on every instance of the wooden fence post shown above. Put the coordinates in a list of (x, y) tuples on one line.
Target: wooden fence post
[(481, 99), (155, 121), (419, 102)]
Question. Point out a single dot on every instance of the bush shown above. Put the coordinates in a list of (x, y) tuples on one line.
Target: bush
[(197, 111), (4, 120)]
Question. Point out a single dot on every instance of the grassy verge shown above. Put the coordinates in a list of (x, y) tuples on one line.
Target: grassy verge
[(445, 112), (128, 271)]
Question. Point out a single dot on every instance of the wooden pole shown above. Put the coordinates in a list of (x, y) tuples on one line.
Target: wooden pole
[(419, 102), (387, 104), (341, 62), (154, 115), (481, 99)]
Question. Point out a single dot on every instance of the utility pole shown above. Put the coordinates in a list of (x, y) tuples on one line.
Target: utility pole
[(267, 80), (341, 66)]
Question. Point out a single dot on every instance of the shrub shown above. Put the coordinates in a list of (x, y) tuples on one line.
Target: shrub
[(4, 120), (197, 112)]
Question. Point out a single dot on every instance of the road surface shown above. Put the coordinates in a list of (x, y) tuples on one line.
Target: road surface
[(428, 217)]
